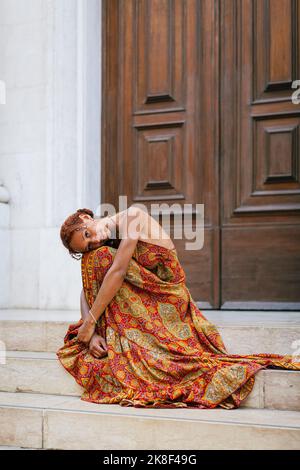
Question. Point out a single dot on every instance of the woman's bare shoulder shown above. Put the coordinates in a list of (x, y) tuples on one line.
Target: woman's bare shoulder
[(151, 230)]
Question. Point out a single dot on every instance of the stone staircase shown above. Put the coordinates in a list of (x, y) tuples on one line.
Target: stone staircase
[(40, 405)]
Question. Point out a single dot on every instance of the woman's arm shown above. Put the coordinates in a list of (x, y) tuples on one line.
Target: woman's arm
[(84, 306), (130, 227), (97, 346)]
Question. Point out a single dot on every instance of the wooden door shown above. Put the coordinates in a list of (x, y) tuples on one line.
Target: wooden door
[(196, 109), (260, 153)]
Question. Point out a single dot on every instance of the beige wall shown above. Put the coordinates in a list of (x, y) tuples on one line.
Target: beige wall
[(49, 143)]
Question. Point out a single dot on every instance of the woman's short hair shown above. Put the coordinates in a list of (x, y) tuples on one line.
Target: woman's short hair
[(74, 222)]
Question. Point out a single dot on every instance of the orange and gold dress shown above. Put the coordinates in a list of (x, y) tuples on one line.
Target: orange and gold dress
[(162, 351)]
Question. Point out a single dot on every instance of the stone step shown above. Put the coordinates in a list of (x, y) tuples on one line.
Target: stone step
[(60, 422), (15, 448), (35, 330), (243, 332), (36, 372)]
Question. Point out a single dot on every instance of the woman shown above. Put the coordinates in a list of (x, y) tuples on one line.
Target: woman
[(141, 340)]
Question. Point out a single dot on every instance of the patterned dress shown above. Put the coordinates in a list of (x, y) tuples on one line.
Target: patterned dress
[(162, 351)]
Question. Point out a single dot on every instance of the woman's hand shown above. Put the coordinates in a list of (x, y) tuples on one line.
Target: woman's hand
[(86, 331), (98, 346)]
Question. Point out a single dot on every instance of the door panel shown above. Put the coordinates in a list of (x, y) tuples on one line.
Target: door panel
[(159, 119)]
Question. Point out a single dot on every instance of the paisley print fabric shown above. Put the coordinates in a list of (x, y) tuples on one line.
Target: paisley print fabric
[(162, 351)]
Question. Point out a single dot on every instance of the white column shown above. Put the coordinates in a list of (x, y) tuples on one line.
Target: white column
[(50, 60), (73, 139)]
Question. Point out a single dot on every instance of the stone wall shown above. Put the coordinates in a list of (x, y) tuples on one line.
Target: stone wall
[(50, 61)]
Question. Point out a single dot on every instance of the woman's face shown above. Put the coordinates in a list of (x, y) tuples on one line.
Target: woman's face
[(92, 234)]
